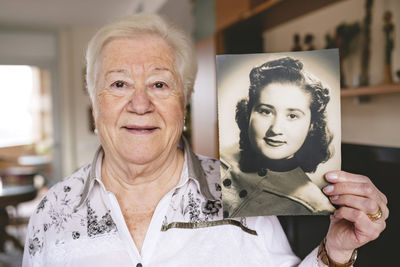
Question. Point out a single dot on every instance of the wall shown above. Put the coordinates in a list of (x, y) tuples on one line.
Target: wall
[(180, 13), (376, 122), (78, 143), (204, 101), (18, 46), (204, 15), (373, 123)]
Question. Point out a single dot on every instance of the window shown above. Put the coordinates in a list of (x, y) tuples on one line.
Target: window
[(25, 112)]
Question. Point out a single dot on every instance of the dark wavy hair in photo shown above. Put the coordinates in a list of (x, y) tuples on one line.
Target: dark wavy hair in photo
[(315, 149)]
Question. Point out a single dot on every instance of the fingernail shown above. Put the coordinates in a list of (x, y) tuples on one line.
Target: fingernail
[(332, 176), (336, 197), (328, 189), (337, 214)]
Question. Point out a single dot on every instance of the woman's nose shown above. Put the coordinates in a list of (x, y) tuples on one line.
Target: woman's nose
[(276, 126), (140, 102)]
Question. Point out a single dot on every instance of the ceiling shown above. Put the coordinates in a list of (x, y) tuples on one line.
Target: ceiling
[(53, 14)]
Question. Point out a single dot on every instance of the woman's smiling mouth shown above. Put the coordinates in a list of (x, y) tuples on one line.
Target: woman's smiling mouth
[(141, 130), (274, 142)]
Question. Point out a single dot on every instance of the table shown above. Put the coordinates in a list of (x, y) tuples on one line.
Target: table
[(12, 195)]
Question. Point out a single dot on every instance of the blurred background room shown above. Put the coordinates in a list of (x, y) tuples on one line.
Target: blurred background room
[(46, 126)]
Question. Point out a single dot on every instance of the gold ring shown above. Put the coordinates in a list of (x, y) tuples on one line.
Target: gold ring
[(376, 216)]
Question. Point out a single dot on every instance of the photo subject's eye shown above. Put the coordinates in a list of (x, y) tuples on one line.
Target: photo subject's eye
[(264, 111), (295, 115)]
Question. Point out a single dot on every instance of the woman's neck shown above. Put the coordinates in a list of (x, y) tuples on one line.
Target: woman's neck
[(280, 165), (142, 185), (252, 162)]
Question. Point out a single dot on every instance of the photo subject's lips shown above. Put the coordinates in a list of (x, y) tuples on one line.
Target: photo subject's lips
[(273, 142), (140, 130)]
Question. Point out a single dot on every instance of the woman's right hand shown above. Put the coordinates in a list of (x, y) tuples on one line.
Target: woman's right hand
[(360, 217)]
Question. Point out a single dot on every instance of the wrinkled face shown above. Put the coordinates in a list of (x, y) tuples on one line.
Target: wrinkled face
[(138, 105), (280, 120)]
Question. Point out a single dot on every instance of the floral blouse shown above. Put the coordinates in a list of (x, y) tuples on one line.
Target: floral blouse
[(79, 223)]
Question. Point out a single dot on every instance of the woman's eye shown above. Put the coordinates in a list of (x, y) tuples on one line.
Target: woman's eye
[(265, 111), (292, 116), (159, 85), (118, 84)]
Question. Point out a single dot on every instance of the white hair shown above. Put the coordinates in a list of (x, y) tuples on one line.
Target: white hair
[(133, 26)]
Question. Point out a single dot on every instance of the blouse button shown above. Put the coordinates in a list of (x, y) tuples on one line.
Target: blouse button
[(227, 182), (139, 265), (226, 214)]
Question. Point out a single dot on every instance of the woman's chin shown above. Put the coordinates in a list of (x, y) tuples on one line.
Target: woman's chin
[(138, 153), (277, 156), (140, 160)]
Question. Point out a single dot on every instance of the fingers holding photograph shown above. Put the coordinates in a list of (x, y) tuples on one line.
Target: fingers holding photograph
[(279, 131)]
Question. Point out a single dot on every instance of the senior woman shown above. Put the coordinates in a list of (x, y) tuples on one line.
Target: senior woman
[(146, 199)]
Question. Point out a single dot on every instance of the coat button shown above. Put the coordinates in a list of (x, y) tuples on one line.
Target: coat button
[(139, 265), (262, 172), (243, 193), (227, 182), (226, 214)]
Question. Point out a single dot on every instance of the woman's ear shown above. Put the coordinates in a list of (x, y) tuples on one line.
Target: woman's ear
[(94, 115), (311, 127)]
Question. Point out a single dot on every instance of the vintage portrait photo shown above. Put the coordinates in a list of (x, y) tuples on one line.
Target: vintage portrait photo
[(279, 131)]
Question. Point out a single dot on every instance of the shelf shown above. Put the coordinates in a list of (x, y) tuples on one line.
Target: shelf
[(240, 23), (371, 90), (268, 13), (230, 12), (260, 8)]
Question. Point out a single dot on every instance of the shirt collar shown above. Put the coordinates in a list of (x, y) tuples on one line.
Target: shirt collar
[(195, 172)]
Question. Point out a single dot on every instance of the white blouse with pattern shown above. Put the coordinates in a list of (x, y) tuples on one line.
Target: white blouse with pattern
[(79, 223)]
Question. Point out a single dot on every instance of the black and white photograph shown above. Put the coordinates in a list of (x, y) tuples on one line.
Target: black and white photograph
[(279, 131)]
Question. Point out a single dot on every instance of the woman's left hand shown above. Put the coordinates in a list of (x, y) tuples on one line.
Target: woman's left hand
[(356, 220)]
